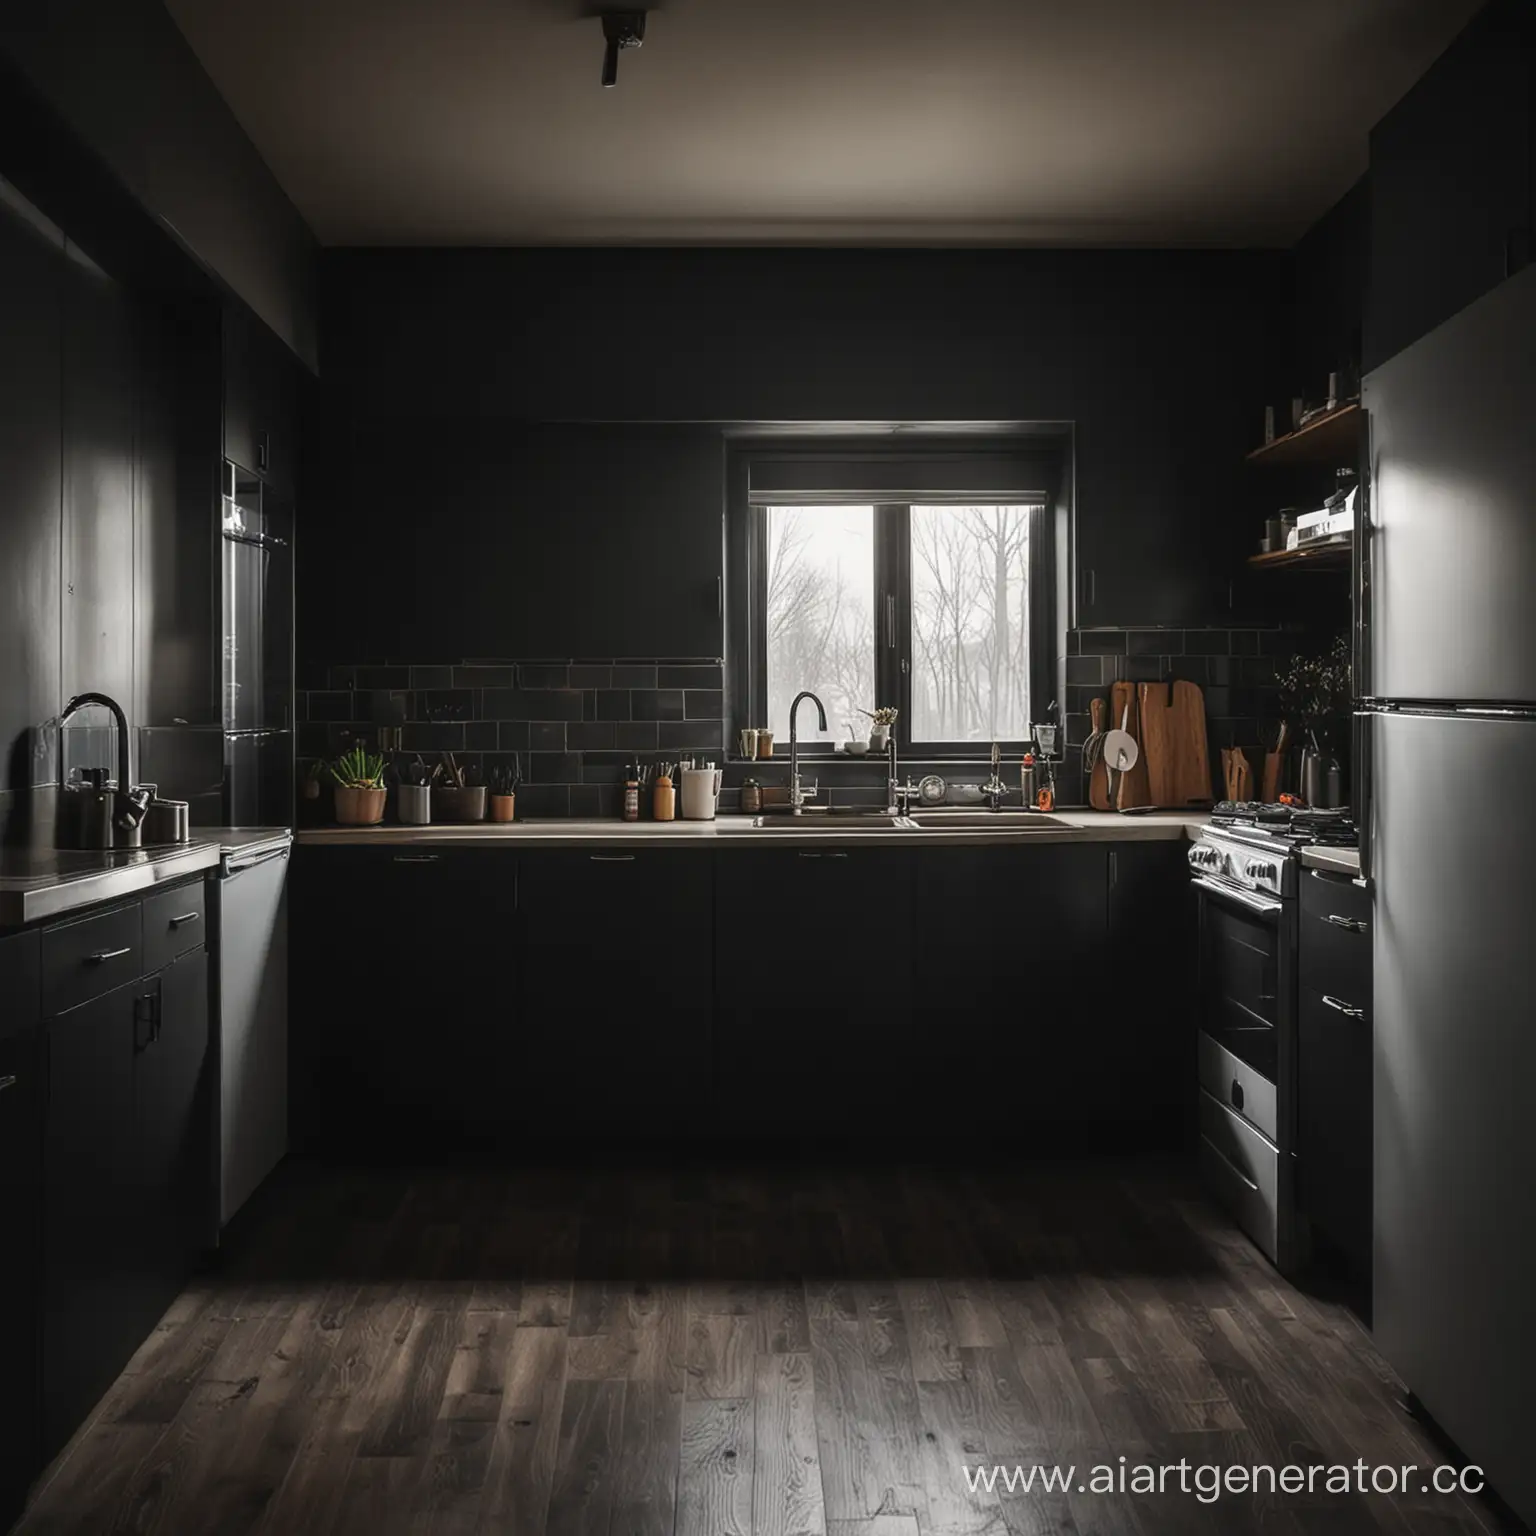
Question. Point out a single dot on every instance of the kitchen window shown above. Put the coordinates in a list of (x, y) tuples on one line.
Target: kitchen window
[(939, 603)]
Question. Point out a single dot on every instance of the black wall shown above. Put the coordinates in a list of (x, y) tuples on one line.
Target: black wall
[(128, 85), (108, 445), (446, 520)]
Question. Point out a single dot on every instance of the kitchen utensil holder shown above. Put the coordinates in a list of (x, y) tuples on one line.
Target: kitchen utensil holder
[(415, 804), (450, 803)]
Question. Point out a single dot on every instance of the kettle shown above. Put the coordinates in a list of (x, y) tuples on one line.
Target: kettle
[(701, 793)]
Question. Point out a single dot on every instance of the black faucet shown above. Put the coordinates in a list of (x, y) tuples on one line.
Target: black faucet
[(796, 796), (128, 804)]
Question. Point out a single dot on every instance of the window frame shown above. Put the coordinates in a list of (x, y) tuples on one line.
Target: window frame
[(892, 592)]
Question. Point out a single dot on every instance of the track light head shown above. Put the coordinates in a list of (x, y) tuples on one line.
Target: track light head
[(621, 29)]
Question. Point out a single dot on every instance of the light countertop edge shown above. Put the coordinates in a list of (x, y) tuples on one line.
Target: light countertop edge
[(1340, 861), (33, 899), (737, 832)]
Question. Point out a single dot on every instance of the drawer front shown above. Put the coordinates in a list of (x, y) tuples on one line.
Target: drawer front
[(175, 921), (1242, 1171), (1335, 942), (1239, 1087), (86, 958)]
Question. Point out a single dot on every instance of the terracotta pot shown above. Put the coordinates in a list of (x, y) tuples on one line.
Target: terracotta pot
[(502, 807), (359, 807), (451, 804)]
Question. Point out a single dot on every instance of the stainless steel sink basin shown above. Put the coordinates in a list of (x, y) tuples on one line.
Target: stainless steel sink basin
[(831, 821), (989, 821)]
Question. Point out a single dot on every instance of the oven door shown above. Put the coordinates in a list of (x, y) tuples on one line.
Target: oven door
[(1242, 981)]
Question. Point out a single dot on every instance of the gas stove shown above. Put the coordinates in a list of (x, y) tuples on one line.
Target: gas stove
[(1294, 825)]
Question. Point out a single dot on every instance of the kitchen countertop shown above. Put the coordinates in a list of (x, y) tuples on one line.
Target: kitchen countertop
[(1341, 861), (737, 831), (38, 883)]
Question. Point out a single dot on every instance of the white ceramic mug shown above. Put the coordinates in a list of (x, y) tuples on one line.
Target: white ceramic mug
[(701, 792)]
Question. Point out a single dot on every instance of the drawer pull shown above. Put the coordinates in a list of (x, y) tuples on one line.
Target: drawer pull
[(610, 858), (8, 1081), (1353, 924), (415, 858), (102, 955), (823, 855), (1347, 1009), (186, 917)]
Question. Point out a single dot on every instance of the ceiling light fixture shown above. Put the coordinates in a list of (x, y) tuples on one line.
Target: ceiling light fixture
[(621, 29)]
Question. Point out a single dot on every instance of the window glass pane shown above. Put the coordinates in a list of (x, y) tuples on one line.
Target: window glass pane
[(820, 616), (970, 623)]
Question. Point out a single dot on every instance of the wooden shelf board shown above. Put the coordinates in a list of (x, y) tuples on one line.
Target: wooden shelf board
[(1319, 442), (1318, 557)]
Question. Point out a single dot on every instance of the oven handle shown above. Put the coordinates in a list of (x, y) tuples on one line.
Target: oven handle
[(1259, 904)]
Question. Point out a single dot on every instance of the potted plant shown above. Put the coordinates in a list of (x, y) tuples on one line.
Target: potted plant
[(880, 722), (360, 793), (1316, 697)]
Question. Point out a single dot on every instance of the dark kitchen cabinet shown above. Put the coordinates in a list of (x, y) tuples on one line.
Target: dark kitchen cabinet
[(404, 972), (1334, 1110), (261, 399), (815, 1031), (127, 1176), (92, 1202), (20, 1170), (617, 991), (1451, 181)]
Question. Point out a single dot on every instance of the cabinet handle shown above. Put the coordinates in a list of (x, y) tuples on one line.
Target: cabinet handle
[(890, 621), (1352, 923), (8, 1081), (185, 917), (611, 858), (108, 954), (1347, 1009), (415, 858), (805, 855), (263, 451)]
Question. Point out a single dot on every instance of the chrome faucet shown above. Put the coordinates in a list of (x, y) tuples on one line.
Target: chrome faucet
[(898, 796), (994, 789), (128, 804), (797, 796)]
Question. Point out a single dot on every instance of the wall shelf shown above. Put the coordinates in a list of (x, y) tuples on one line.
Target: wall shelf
[(1317, 557), (1330, 440)]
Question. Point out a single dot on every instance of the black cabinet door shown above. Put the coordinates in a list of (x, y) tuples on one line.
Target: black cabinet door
[(20, 1172), (617, 959), (173, 1132), (92, 1205), (1451, 174), (261, 399), (1008, 951), (815, 1032), (404, 995), (1334, 1122), (1144, 1003)]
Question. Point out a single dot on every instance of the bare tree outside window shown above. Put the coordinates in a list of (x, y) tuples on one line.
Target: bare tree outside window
[(970, 623), (820, 615)]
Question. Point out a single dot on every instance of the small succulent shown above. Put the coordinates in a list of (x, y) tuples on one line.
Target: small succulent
[(359, 769)]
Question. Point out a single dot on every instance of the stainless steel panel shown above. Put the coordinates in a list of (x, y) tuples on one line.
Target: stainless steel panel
[(1455, 1057), (1244, 1172), (252, 924), (1453, 547), (1239, 1087)]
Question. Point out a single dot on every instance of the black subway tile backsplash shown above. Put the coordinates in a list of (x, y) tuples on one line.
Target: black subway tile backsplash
[(572, 725), (1101, 642)]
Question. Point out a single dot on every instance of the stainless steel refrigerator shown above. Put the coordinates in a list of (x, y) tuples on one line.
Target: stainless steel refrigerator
[(1448, 719)]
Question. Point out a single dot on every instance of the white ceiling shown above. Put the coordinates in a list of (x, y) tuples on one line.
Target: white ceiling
[(909, 122)]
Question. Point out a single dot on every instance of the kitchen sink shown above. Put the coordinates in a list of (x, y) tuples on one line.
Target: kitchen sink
[(831, 821), (989, 821)]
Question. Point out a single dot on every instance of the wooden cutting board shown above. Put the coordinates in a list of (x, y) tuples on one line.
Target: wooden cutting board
[(1191, 772), (1130, 788), (1155, 702), (1098, 780)]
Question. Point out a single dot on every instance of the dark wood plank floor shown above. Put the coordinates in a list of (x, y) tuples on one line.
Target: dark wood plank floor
[(746, 1353)]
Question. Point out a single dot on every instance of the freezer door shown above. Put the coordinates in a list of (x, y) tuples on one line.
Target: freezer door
[(1454, 1061), (1453, 507), (253, 1025)]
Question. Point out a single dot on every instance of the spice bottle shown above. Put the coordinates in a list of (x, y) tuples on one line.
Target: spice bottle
[(663, 799), (751, 796), (1027, 779), (632, 793)]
